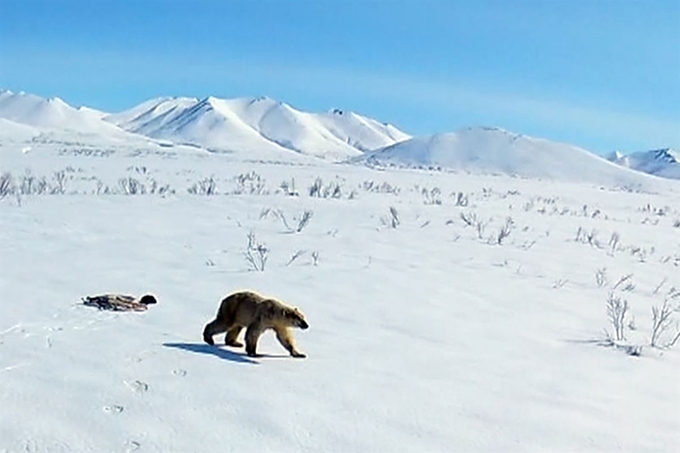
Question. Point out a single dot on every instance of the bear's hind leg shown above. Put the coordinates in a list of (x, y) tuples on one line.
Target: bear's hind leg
[(213, 328), (285, 337), (232, 337)]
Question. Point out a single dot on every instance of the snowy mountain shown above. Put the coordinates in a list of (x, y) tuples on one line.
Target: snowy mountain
[(659, 162), (53, 114), (257, 124), (497, 151)]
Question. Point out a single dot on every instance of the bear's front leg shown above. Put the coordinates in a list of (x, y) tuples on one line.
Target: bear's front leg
[(285, 337), (252, 336)]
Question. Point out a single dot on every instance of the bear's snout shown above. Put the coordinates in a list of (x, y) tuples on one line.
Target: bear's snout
[(304, 325)]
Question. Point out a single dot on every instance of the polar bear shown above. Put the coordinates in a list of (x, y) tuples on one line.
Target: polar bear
[(257, 314)]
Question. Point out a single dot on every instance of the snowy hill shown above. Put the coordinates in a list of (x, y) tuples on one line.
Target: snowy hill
[(52, 113), (659, 162), (16, 132), (257, 124), (497, 151)]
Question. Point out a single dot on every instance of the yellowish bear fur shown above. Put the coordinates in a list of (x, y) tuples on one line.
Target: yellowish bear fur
[(256, 313)]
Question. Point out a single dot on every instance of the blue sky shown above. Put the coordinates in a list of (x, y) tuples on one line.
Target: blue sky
[(602, 74)]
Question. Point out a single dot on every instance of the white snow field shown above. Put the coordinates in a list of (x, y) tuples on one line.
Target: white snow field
[(430, 330)]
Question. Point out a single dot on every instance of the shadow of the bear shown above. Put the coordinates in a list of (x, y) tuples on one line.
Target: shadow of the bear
[(201, 348)]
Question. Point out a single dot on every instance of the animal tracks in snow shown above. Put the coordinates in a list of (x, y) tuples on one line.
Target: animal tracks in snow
[(113, 409), (137, 386), (131, 445)]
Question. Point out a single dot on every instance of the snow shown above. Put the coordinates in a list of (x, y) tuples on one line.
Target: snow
[(659, 162), (497, 151), (423, 337)]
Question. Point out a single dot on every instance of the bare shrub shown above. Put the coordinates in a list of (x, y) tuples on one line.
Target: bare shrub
[(505, 230), (295, 256), (384, 187), (625, 283), (300, 222), (659, 286), (7, 186), (59, 186), (559, 283), (288, 188), (315, 258), (588, 237), (103, 188), (131, 186), (256, 253), (616, 312), (430, 196), (32, 185), (250, 183), (392, 220), (320, 190), (461, 199), (155, 188), (601, 277), (206, 186), (303, 220), (662, 319), (469, 218), (614, 241), (676, 223)]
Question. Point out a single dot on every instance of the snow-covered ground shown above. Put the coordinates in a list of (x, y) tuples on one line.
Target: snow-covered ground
[(427, 335)]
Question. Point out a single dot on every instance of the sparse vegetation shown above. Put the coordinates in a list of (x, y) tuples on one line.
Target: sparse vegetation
[(391, 221), (288, 188), (601, 277), (384, 187), (7, 186), (299, 222), (430, 196), (256, 253), (251, 183), (206, 186), (332, 189), (662, 321), (504, 231), (617, 308)]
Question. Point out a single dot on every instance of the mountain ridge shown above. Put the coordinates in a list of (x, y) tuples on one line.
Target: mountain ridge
[(662, 162)]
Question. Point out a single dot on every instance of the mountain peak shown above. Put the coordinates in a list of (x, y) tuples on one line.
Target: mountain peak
[(664, 162)]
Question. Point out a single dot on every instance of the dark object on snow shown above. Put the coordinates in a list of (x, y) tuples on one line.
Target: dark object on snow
[(119, 302)]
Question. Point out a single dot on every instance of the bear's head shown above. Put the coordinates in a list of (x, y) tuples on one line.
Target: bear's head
[(147, 299), (296, 318)]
